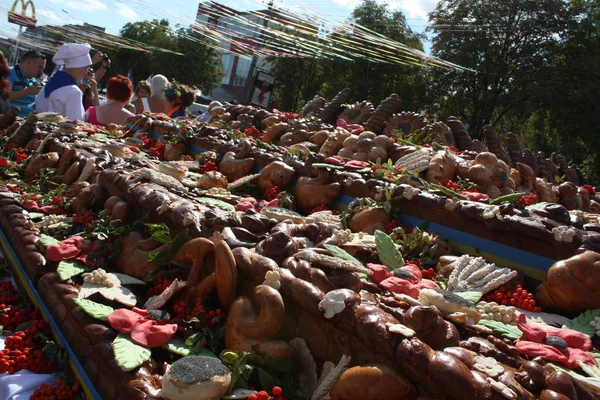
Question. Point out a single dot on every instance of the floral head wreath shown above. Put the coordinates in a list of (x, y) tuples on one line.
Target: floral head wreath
[(173, 89)]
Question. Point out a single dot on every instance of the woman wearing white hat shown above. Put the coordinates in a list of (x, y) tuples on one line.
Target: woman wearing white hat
[(61, 94)]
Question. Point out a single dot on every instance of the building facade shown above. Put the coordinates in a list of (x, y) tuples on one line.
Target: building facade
[(238, 72)]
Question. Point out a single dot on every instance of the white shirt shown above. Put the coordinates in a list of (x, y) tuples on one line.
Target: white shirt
[(67, 100)]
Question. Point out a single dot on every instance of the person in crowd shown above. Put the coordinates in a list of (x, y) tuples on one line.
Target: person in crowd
[(118, 94), (106, 63), (4, 84), (142, 90), (61, 93), (89, 87), (207, 116), (24, 81), (177, 98), (156, 102)]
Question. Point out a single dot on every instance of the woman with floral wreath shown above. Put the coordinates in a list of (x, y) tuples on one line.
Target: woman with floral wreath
[(177, 98)]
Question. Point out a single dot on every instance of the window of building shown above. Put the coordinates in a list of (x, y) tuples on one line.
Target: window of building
[(227, 66), (242, 71)]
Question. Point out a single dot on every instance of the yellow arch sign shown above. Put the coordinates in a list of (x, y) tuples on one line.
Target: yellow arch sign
[(22, 18)]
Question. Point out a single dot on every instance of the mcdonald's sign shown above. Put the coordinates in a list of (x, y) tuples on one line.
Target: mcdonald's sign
[(21, 18)]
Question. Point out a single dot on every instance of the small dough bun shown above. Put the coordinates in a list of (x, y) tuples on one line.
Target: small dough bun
[(175, 170), (372, 382), (69, 128), (50, 117), (131, 141), (115, 149), (196, 378)]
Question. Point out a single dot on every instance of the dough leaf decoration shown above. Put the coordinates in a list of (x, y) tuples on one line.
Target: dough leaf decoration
[(67, 269), (388, 252), (582, 322), (472, 297), (508, 331), (47, 240), (216, 203), (341, 253), (96, 310), (128, 354)]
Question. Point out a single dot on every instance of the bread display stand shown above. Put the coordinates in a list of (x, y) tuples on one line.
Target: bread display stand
[(24, 282)]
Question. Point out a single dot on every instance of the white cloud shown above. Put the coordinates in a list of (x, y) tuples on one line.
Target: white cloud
[(127, 12), (411, 8), (86, 5), (48, 17), (414, 9)]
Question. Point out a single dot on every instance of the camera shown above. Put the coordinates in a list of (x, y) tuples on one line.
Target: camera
[(105, 58)]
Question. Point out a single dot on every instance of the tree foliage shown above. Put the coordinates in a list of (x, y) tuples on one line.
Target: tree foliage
[(196, 65), (298, 80), (510, 44)]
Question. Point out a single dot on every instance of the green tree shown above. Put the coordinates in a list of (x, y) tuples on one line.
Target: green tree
[(187, 58), (199, 66), (571, 95), (298, 80), (510, 43)]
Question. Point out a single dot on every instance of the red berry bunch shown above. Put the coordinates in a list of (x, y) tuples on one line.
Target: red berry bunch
[(450, 184), (277, 393), (209, 166), (271, 193), (59, 391), (22, 351), (183, 311), (13, 316), (157, 151), (57, 200), (186, 157), (591, 189), (87, 218), (528, 200), (8, 294), (162, 282), (252, 131), (21, 155), (519, 298), (428, 273), (392, 225)]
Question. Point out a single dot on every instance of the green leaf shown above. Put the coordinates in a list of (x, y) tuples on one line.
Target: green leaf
[(278, 364), (582, 322), (267, 381), (176, 345), (96, 310), (473, 297), (325, 165), (129, 355), (35, 215), (47, 240), (24, 326), (341, 253), (69, 268), (216, 203), (387, 207), (387, 251), (508, 331)]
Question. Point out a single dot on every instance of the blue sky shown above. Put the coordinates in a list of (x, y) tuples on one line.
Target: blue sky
[(113, 14)]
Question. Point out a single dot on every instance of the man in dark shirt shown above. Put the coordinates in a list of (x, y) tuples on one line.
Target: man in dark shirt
[(24, 81)]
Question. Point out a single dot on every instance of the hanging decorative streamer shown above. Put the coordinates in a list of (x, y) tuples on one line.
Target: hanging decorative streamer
[(273, 32)]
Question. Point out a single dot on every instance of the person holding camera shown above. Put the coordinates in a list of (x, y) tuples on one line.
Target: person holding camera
[(89, 87), (62, 93), (24, 81), (101, 71)]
